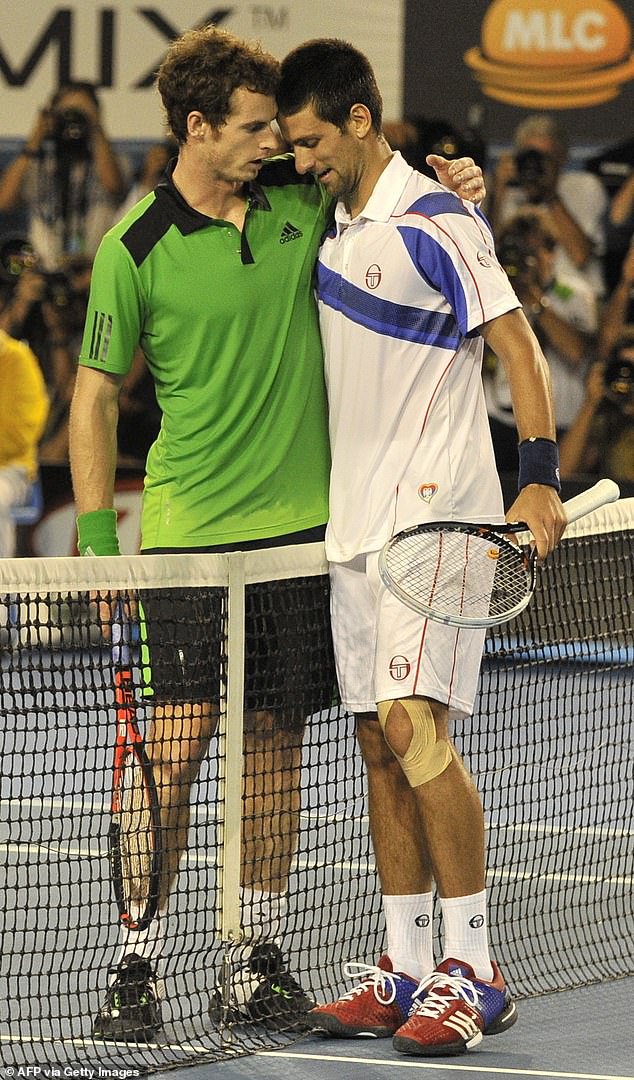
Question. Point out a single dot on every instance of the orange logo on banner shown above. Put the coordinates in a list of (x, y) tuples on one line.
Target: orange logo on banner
[(553, 54)]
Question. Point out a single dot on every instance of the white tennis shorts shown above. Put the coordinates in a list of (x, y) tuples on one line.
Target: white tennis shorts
[(383, 650)]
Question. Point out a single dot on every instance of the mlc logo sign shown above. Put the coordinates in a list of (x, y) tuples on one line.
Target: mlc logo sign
[(553, 54)]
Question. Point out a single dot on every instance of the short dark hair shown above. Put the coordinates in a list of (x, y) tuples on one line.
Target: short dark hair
[(331, 76), (202, 69)]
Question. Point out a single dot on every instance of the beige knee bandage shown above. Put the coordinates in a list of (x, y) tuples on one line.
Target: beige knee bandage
[(427, 756)]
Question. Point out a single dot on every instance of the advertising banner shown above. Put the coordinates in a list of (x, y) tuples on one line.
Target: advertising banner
[(119, 45), (494, 61)]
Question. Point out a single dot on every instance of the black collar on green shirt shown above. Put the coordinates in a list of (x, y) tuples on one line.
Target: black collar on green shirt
[(170, 208), (188, 220)]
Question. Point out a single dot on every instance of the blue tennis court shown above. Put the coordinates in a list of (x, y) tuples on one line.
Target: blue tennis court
[(551, 750), (565, 909)]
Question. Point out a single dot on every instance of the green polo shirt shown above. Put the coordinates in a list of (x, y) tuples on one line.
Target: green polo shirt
[(228, 325)]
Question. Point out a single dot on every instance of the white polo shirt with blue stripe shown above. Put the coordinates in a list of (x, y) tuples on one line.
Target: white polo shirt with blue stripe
[(402, 289)]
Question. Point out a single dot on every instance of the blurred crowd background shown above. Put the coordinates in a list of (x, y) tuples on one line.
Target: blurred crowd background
[(564, 234)]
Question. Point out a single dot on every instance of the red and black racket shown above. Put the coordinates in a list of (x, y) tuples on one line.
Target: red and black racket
[(134, 838)]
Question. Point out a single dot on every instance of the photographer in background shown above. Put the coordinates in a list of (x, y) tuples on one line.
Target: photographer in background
[(562, 311), (617, 317), (46, 310), (573, 201), (153, 165), (67, 176), (600, 440), (619, 231), (420, 136)]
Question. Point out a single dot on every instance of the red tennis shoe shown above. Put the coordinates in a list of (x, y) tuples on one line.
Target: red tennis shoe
[(453, 1009), (375, 1008)]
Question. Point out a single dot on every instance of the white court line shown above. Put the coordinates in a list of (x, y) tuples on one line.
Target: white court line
[(537, 827), (570, 878), (307, 863), (189, 1048), (192, 1048), (352, 865), (8, 1037), (543, 828), (438, 1066)]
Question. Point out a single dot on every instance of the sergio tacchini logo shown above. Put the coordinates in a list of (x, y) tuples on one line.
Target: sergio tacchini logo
[(553, 54)]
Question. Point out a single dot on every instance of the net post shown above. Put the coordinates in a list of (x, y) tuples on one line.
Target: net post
[(231, 724)]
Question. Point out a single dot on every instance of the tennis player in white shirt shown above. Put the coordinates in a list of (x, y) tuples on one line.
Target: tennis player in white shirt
[(409, 289)]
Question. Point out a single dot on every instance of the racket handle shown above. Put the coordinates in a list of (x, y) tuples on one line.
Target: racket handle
[(120, 637), (604, 491)]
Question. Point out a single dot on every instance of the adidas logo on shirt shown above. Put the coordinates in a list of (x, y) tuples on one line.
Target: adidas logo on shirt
[(290, 232)]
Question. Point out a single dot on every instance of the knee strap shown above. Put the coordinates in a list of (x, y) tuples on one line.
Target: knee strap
[(427, 756)]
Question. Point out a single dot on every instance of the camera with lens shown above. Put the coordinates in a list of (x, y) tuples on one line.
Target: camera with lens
[(531, 167), (618, 379), (71, 131), (515, 258), (17, 256)]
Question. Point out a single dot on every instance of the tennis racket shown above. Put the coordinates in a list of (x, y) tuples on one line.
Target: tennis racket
[(472, 574), (135, 828)]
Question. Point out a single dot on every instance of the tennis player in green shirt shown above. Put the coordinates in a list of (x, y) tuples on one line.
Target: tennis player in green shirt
[(211, 274)]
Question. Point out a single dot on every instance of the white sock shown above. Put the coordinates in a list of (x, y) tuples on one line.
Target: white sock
[(409, 926), (148, 944), (465, 932), (263, 915)]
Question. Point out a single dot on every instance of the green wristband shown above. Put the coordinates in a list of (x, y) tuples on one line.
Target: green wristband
[(97, 533)]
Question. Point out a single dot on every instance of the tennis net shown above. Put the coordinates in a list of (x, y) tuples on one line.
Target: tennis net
[(549, 745)]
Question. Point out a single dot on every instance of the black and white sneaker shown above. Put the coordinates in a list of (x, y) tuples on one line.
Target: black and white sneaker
[(262, 992), (131, 1011)]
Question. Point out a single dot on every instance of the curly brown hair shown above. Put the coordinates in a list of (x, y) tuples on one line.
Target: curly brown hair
[(202, 69)]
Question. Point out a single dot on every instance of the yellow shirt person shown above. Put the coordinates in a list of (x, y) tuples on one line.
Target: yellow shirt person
[(24, 409)]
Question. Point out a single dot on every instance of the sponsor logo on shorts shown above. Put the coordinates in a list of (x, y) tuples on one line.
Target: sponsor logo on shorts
[(476, 922), (400, 668), (427, 491), (373, 276)]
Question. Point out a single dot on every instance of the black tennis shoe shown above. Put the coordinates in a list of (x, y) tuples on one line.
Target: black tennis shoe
[(263, 992), (131, 1011)]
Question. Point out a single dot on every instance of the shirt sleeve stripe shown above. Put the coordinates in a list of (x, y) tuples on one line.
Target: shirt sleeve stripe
[(435, 264), (100, 336), (438, 202)]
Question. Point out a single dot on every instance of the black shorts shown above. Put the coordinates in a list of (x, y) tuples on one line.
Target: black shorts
[(289, 662)]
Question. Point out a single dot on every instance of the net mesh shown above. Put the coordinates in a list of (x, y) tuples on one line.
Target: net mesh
[(549, 746)]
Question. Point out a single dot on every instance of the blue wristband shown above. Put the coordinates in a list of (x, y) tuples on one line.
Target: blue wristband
[(539, 463)]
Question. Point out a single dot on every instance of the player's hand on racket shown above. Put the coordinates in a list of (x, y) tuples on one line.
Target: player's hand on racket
[(477, 574), (539, 506), (108, 607), (461, 175)]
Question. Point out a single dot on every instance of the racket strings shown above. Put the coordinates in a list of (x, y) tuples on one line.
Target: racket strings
[(137, 835), (458, 573)]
